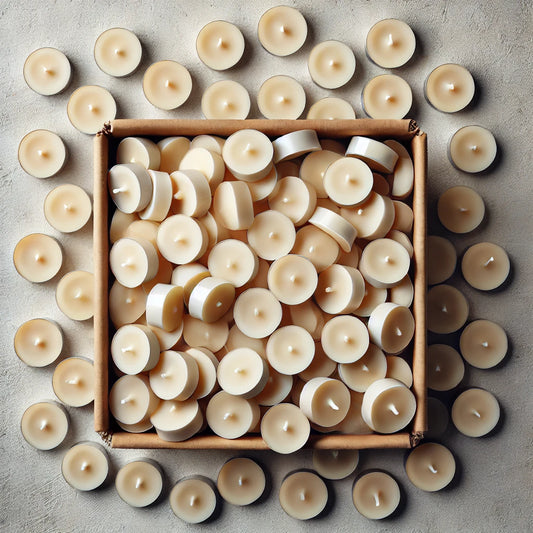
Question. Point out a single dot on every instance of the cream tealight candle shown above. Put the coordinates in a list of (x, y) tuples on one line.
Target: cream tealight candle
[(485, 266), (133, 262), (335, 226), (226, 99), (390, 43), (391, 327), (398, 368), (317, 246), (47, 71), (441, 258), (126, 305), (340, 289), (387, 96), (325, 401), (213, 143), (483, 344), (303, 495), (117, 52), (282, 30), (233, 205), (257, 312), (167, 84), (403, 293), (172, 150), (376, 495), (164, 306), (472, 149), (193, 499), (134, 349), (321, 365), (233, 261), (139, 150), (242, 372), (313, 168), (67, 208), (460, 209), (38, 342), (130, 186), (281, 97), (176, 421), (181, 239), (161, 200), (44, 425), (207, 371), (335, 464), (372, 298), (73, 381), (210, 299), (403, 177), (37, 257), (139, 483), (85, 466), (295, 198), (344, 338), (358, 376), (475, 412), (403, 216), (292, 279), (90, 107), (271, 235), (231, 416), (199, 334), (447, 309), (376, 154), (42, 153), (331, 108), (449, 88), (220, 45), (192, 196), (241, 481), (290, 349), (331, 64), (75, 295), (277, 388), (430, 467), (348, 181), (445, 367), (285, 428)]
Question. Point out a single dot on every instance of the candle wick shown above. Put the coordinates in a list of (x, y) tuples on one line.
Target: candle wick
[(229, 264), (332, 404), (303, 496), (347, 339), (399, 332), (192, 501), (283, 29), (139, 483), (293, 278), (44, 425), (129, 300), (38, 342), (165, 375), (172, 408), (126, 263), (42, 153), (221, 43), (376, 499), (240, 481), (476, 413), (67, 207), (474, 148), (333, 63), (225, 104), (335, 454), (239, 371), (444, 309), (437, 368), (48, 71), (282, 99), (451, 86), (390, 40), (78, 295), (257, 312), (206, 335), (349, 179), (329, 289), (271, 235), (73, 381), (118, 52), (463, 210), (119, 189), (432, 469), (218, 304), (485, 344), (365, 368), (388, 259), (127, 349), (389, 98), (126, 400), (38, 257), (290, 349), (227, 416), (285, 200), (489, 261), (169, 84), (393, 410), (85, 466), (311, 249), (179, 240), (92, 108), (178, 195), (248, 149), (360, 212), (285, 426)]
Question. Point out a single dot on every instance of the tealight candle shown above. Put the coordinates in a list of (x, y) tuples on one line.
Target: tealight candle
[(199, 334), (242, 372), (460, 209), (226, 99), (445, 367), (403, 239), (441, 258), (176, 420), (376, 495), (340, 290), (193, 499), (85, 466), (220, 45), (321, 365), (125, 305), (161, 200), (376, 154), (358, 376), (325, 401), (387, 96), (134, 349), (335, 464), (42, 153), (303, 495), (67, 208), (73, 381), (193, 194), (313, 168), (335, 226), (241, 481), (388, 406), (294, 144), (398, 368), (282, 30), (294, 198), (172, 150), (292, 279), (277, 388), (233, 205), (381, 185), (353, 424), (44, 425), (75, 295), (449, 88), (233, 261), (207, 371), (430, 467), (117, 52), (188, 275), (281, 97), (133, 261), (47, 71), (164, 306), (231, 416), (139, 150), (257, 312), (212, 143), (390, 43), (331, 64), (348, 181), (472, 149), (271, 235), (207, 162), (38, 342), (167, 84), (175, 377), (263, 188), (331, 108), (285, 428), (37, 257), (350, 258), (403, 293), (391, 327), (447, 309), (403, 175), (485, 266), (130, 186), (210, 299), (372, 298), (139, 483), (483, 344), (475, 412), (344, 338), (90, 107), (317, 246), (167, 339), (181, 239), (403, 217), (290, 349)]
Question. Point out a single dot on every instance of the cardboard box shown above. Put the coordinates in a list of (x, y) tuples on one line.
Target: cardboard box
[(105, 143)]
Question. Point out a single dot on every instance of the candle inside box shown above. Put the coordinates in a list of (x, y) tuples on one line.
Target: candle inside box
[(47, 71)]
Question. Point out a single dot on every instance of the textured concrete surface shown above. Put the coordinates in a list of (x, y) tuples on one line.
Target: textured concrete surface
[(491, 38)]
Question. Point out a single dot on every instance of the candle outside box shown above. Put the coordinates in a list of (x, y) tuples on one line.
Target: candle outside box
[(105, 145)]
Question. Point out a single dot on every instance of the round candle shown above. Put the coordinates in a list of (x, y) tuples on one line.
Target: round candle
[(335, 464), (242, 372), (335, 226), (210, 299), (398, 368), (447, 309), (37, 257), (483, 344), (321, 366), (125, 305), (75, 295), (294, 144), (390, 43), (164, 306), (172, 150), (233, 261), (331, 108), (403, 217), (372, 298), (313, 168), (226, 99), (430, 467), (139, 150), (387, 96), (167, 84), (38, 342), (134, 349), (193, 194), (294, 198), (485, 266), (353, 424), (331, 64), (348, 181), (340, 289), (73, 381), (292, 279), (277, 388), (241, 481), (263, 188), (130, 186), (47, 71), (257, 312), (117, 52), (325, 401), (67, 208), (176, 421), (381, 185), (159, 205), (441, 258), (445, 367), (181, 239), (231, 416), (271, 235), (359, 375), (388, 406), (90, 107), (285, 428), (472, 149), (317, 246), (85, 466), (207, 371), (193, 499), (290, 349), (377, 155), (139, 483), (391, 327), (303, 495), (44, 425), (175, 377), (132, 401), (449, 88), (42, 153), (475, 412), (376, 495), (133, 261), (403, 293), (281, 97), (233, 205), (344, 338), (220, 45), (199, 334), (460, 209), (210, 142), (282, 30)]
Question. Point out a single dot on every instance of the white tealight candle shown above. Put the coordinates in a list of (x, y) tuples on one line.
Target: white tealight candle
[(483, 344), (167, 84), (472, 149), (257, 312), (281, 97), (403, 217), (313, 168), (139, 150), (47, 71), (159, 205), (42, 153), (445, 367), (164, 306), (325, 401), (292, 279), (220, 45), (67, 208), (372, 298), (241, 481), (125, 305), (317, 246), (398, 368), (242, 372), (172, 150), (233, 261), (403, 293), (376, 495), (117, 52), (73, 381), (340, 290), (331, 64), (38, 342), (345, 338), (460, 209), (485, 266), (447, 309), (181, 239), (90, 107), (133, 262), (199, 334), (192, 196), (37, 257), (358, 376), (285, 428), (335, 226), (331, 108), (403, 176), (226, 99), (233, 205), (303, 495), (193, 499), (211, 299), (263, 188), (430, 467), (176, 421), (85, 466), (130, 186), (335, 464), (282, 30), (348, 181), (294, 198), (271, 235), (210, 142), (321, 366), (75, 295), (387, 96), (391, 327), (44, 425), (290, 349), (231, 416), (441, 258), (139, 483), (390, 43), (475, 412), (277, 389), (377, 155), (449, 88), (294, 144), (134, 349)]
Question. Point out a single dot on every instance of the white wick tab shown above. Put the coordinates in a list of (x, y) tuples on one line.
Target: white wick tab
[(393, 410)]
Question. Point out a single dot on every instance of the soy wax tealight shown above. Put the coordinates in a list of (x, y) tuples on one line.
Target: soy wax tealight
[(38, 342), (331, 64), (390, 43), (47, 71), (167, 84), (67, 208), (331, 108), (42, 153), (117, 52), (387, 96), (226, 99), (485, 266), (282, 30), (376, 495), (475, 412), (303, 495), (139, 483), (75, 295), (90, 107), (220, 45), (73, 381), (193, 499), (37, 257), (430, 467), (44, 425), (281, 97), (85, 466), (449, 88), (483, 344), (241, 481)]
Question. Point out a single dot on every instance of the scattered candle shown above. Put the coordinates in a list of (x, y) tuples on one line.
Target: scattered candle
[(335, 464), (303, 495), (241, 481), (472, 149), (403, 217), (277, 388), (285, 428), (449, 88), (447, 309), (331, 64), (167, 84), (292, 279), (90, 107), (376, 495), (460, 209), (207, 371), (231, 416), (210, 299), (73, 381), (37, 257), (130, 187), (387, 96), (47, 71), (226, 99), (85, 466), (358, 376), (441, 258), (281, 97), (445, 367), (290, 349), (485, 266), (233, 205), (67, 208), (317, 246), (159, 205), (75, 295), (282, 30), (313, 168), (175, 377), (294, 144), (475, 412), (38, 342), (192, 193), (483, 344), (139, 483), (430, 467), (44, 425), (220, 45), (42, 153), (193, 499), (390, 43), (117, 52), (176, 420), (257, 312), (331, 108)]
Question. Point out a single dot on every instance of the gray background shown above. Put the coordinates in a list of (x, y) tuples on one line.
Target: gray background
[(491, 38)]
